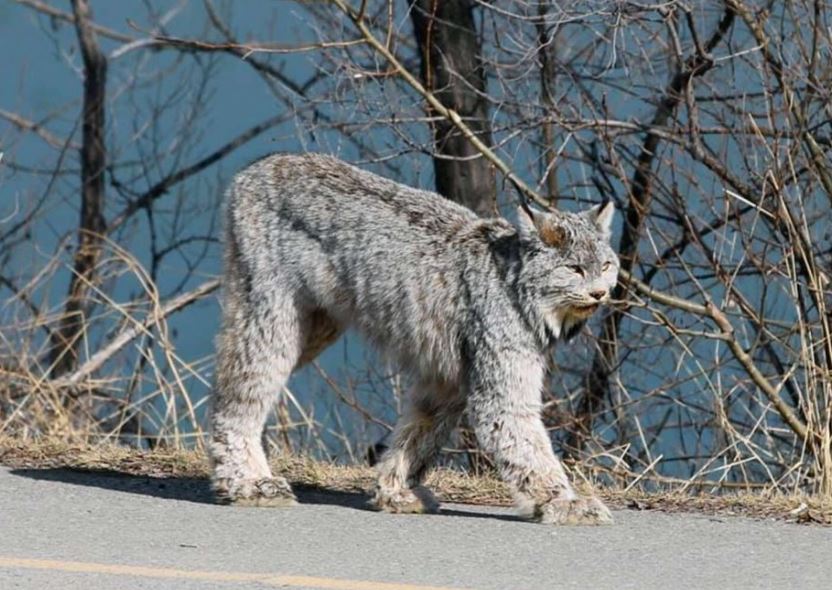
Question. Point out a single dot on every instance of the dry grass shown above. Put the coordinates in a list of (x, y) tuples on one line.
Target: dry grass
[(450, 485)]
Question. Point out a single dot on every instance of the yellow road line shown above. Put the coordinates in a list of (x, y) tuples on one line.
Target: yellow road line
[(140, 571)]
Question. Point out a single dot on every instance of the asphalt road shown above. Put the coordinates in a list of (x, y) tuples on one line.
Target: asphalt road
[(74, 530)]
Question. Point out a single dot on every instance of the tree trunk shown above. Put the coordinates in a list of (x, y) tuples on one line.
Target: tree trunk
[(64, 345), (548, 58), (452, 70)]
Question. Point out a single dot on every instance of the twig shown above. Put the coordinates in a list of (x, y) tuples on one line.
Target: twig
[(525, 191), (122, 339)]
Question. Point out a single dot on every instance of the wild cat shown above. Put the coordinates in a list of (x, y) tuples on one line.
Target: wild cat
[(469, 306)]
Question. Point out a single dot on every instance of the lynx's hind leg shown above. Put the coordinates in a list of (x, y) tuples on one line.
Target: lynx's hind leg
[(258, 348), (431, 414)]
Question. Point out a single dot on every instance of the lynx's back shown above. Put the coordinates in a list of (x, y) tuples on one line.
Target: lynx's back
[(335, 195), (367, 251)]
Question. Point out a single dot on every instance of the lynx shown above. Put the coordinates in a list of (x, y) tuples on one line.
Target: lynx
[(470, 307)]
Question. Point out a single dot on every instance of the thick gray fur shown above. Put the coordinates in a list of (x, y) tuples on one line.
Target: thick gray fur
[(470, 307)]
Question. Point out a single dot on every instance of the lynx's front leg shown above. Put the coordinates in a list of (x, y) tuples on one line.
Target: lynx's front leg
[(505, 404)]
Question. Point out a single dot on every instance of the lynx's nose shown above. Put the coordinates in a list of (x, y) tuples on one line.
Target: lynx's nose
[(598, 295)]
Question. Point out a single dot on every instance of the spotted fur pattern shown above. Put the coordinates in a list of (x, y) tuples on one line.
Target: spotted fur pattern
[(470, 307)]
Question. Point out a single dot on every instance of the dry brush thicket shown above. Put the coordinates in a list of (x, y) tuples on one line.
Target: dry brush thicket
[(706, 122)]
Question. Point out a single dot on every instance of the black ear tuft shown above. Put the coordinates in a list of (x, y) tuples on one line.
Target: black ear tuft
[(524, 206), (602, 216)]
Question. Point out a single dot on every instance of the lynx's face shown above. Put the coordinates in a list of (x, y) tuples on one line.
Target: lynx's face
[(568, 266)]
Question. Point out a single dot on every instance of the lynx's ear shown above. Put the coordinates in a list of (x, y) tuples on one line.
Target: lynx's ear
[(540, 225), (602, 216), (526, 222)]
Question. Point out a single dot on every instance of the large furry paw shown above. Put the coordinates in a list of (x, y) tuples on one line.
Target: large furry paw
[(418, 500), (270, 491), (580, 511)]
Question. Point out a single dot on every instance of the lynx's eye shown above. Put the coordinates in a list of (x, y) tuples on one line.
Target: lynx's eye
[(578, 270)]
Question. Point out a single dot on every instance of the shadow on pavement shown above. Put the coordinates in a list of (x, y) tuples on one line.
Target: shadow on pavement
[(192, 489), (459, 510), (189, 489)]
